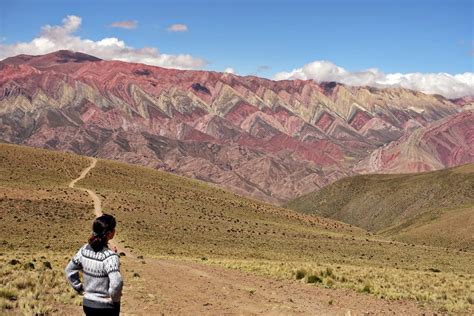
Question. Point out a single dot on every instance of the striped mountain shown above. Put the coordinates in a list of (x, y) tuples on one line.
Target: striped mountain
[(272, 140)]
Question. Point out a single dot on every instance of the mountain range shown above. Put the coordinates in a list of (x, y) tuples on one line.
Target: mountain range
[(271, 140)]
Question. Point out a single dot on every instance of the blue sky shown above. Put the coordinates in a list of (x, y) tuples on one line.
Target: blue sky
[(268, 37), (394, 36)]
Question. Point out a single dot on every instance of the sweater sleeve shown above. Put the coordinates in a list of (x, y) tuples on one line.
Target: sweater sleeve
[(72, 272), (112, 267)]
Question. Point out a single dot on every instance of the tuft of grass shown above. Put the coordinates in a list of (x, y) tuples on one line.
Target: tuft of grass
[(47, 265), (366, 289), (29, 265), (14, 262), (300, 274), (313, 279), (9, 294)]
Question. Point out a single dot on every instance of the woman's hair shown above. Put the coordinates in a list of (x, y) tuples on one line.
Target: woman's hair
[(101, 226)]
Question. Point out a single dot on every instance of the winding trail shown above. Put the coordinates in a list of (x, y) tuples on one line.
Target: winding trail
[(97, 202), (177, 287)]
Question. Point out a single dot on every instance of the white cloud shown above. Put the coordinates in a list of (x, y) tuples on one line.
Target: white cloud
[(450, 86), (53, 38), (129, 25), (229, 70), (178, 28)]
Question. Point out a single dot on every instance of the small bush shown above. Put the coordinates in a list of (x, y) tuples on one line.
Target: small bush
[(314, 279), (300, 274), (47, 265), (8, 294), (367, 289), (23, 283), (136, 275), (329, 272), (29, 266), (14, 262), (329, 282)]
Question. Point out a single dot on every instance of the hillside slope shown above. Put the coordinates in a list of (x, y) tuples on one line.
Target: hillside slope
[(445, 143), (44, 221), (434, 208), (271, 140)]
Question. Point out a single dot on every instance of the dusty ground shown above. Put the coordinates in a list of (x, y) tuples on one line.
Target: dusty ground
[(158, 286)]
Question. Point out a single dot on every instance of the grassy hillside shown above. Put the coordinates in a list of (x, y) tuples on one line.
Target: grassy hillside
[(163, 215), (435, 208)]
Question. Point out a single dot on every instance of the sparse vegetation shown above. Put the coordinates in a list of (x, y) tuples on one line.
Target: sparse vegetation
[(34, 291), (313, 279), (300, 274), (432, 208), (162, 215)]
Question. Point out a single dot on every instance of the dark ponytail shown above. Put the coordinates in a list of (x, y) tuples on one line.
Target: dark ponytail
[(101, 226)]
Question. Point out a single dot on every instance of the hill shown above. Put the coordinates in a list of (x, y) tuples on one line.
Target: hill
[(435, 208), (166, 221), (271, 140)]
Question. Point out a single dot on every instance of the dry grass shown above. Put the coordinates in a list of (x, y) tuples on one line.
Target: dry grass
[(162, 215), (446, 291), (31, 287), (408, 207)]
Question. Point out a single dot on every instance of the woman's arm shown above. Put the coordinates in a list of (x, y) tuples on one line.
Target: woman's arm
[(72, 272), (112, 267)]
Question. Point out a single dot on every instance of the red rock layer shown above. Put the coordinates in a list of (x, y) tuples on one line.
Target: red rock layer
[(273, 140)]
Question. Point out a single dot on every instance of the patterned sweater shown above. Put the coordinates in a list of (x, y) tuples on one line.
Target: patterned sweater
[(102, 286)]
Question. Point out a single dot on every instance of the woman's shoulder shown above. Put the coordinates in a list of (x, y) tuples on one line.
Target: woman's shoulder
[(109, 252)]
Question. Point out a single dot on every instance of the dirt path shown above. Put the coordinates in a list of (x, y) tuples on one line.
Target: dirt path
[(171, 287), (97, 203)]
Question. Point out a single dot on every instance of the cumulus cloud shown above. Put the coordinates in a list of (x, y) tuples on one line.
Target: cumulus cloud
[(178, 28), (450, 86), (229, 70), (128, 25), (53, 38)]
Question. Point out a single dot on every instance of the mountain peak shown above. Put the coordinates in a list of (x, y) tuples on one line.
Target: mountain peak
[(51, 59)]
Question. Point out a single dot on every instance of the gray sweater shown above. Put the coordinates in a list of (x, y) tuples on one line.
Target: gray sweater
[(102, 286)]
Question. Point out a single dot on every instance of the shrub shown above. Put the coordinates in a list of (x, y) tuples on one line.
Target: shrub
[(47, 265), (8, 294), (14, 262), (29, 265), (329, 272), (329, 282), (313, 279), (300, 274), (367, 289)]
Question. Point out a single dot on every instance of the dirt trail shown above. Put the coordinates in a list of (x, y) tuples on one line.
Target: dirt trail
[(97, 203), (171, 287)]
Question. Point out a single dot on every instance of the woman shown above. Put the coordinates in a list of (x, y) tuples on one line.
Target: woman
[(102, 286)]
